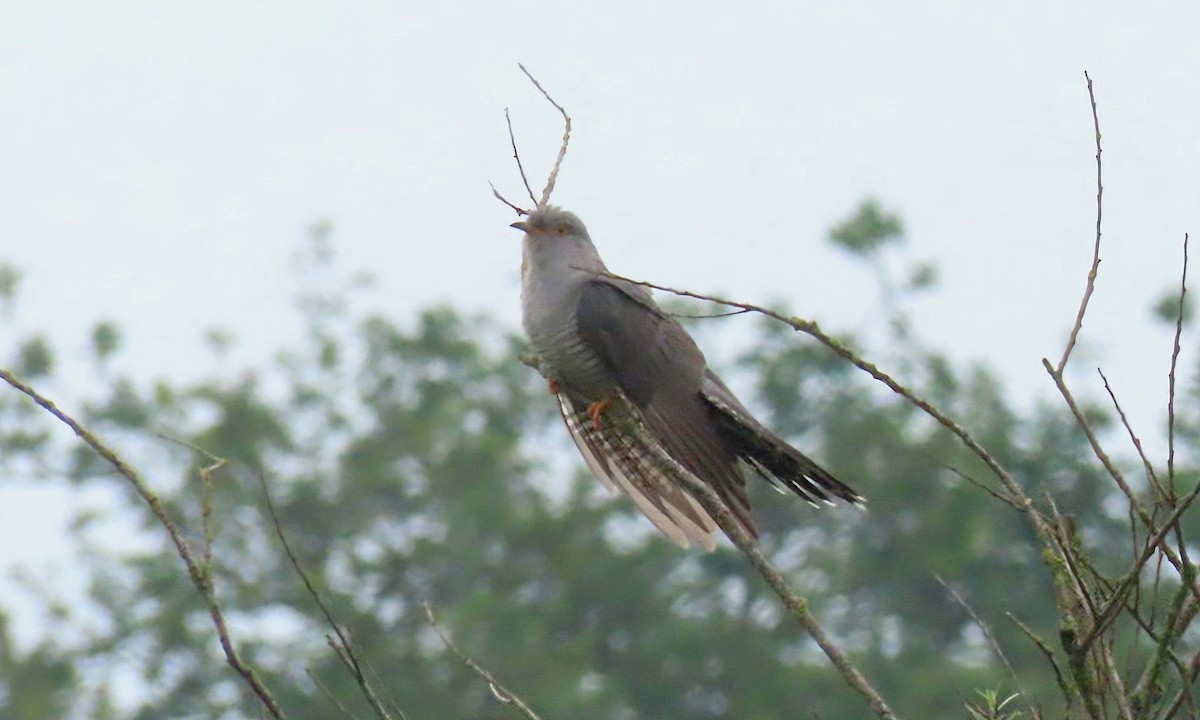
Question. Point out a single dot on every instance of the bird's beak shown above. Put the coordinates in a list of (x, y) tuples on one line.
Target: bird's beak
[(521, 225)]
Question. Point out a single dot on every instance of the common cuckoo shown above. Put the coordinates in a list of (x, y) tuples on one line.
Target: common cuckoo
[(637, 395)]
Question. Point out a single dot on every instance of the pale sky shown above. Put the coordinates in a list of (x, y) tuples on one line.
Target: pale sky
[(159, 162)]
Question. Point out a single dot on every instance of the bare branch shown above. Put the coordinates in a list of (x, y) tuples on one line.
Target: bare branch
[(1091, 279), (200, 576), (501, 693), (562, 150)]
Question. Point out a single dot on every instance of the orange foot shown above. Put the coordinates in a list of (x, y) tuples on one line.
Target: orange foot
[(554, 388), (596, 409)]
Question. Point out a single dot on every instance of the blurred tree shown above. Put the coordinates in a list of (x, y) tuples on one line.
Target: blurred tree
[(422, 461)]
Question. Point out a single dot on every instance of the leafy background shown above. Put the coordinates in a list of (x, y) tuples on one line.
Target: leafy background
[(416, 459)]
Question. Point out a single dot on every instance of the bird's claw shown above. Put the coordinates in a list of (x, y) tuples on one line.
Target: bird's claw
[(595, 410)]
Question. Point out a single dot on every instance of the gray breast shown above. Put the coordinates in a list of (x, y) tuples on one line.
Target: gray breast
[(549, 315)]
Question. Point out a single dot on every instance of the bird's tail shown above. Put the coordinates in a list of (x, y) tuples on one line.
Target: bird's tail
[(769, 455)]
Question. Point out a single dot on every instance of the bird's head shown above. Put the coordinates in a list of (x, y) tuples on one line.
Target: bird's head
[(556, 238), (552, 222)]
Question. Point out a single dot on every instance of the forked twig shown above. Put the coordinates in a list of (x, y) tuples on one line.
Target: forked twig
[(206, 499), (562, 153), (1095, 269)]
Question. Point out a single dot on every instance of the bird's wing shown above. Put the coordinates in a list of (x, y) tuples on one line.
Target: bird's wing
[(659, 369), (625, 461)]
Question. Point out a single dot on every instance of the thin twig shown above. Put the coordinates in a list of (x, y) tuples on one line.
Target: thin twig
[(987, 633), (731, 313), (344, 646), (512, 138), (1015, 504), (502, 694), (332, 698), (198, 574), (1041, 645), (206, 498), (562, 150), (1171, 375), (1091, 279), (1137, 443), (520, 210)]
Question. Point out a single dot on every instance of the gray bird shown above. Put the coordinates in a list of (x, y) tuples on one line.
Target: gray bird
[(637, 395)]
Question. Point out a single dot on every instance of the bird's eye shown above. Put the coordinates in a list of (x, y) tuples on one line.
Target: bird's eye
[(560, 230)]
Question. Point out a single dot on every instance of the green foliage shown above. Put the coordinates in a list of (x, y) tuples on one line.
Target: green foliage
[(868, 229), (34, 684), (10, 282), (1166, 309), (35, 359), (992, 707), (106, 340), (417, 459)]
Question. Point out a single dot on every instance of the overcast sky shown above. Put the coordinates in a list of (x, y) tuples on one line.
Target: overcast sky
[(159, 162)]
